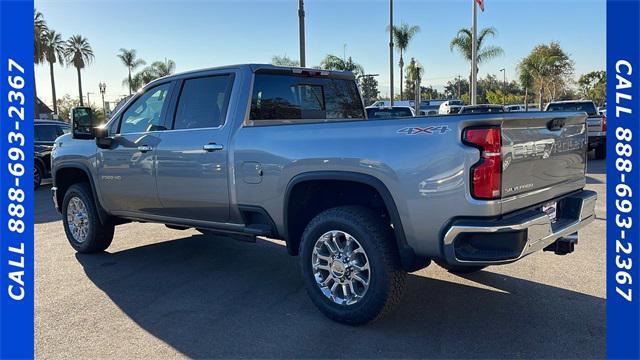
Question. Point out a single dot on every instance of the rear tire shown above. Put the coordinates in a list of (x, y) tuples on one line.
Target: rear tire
[(82, 225), (601, 152), (461, 270), (365, 252)]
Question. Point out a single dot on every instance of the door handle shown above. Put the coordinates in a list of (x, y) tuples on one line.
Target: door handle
[(144, 148), (212, 147)]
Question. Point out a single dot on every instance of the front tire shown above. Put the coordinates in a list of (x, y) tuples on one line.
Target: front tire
[(83, 228), (350, 265)]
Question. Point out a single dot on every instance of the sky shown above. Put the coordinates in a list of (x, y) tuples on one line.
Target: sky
[(201, 34)]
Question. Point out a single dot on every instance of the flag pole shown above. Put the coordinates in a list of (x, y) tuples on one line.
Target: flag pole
[(303, 56), (474, 52)]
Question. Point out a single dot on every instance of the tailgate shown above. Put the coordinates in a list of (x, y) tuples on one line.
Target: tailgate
[(543, 156)]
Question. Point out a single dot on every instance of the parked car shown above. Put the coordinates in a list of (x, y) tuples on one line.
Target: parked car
[(45, 134), (387, 103), (450, 107), (515, 108), (429, 110), (374, 112), (481, 109), (596, 123), (290, 154)]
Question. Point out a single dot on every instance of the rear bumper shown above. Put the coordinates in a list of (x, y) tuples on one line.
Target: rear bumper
[(493, 242)]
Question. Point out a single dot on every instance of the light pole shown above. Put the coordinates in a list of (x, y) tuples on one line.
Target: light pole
[(103, 89), (504, 86), (88, 101), (391, 49), (301, 29)]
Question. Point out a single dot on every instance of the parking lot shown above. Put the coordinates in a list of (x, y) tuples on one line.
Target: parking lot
[(162, 293)]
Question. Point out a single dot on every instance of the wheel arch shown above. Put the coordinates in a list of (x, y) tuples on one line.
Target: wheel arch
[(67, 175), (407, 255)]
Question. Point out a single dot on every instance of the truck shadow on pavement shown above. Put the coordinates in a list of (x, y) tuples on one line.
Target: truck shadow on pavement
[(217, 298), (44, 210), (596, 166)]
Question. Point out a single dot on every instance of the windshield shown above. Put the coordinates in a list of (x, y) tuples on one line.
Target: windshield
[(587, 107), (383, 113), (455, 102)]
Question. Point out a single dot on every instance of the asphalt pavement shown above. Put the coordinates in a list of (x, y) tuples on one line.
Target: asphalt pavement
[(162, 293)]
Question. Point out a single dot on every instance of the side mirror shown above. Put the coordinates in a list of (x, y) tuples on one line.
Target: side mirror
[(83, 123), (103, 140)]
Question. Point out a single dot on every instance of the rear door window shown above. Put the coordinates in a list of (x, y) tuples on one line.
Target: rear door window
[(290, 97), (203, 102)]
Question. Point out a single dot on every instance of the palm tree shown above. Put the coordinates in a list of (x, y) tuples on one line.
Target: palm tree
[(463, 43), (402, 36), (163, 68), (128, 58), (39, 32), (154, 71), (332, 62), (78, 53), (415, 71), (54, 52)]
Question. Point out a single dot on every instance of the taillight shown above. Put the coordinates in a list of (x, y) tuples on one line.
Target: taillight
[(486, 175), (604, 123)]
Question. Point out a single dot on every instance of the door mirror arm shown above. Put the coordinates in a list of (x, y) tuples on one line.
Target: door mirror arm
[(103, 140)]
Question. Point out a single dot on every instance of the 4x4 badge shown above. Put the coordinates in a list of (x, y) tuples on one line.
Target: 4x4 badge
[(428, 130)]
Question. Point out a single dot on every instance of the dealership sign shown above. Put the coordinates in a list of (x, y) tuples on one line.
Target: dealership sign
[(623, 180)]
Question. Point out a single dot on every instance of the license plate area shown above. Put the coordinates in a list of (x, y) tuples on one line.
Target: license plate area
[(551, 209)]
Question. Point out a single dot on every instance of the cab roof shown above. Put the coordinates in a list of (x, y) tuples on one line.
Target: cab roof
[(264, 68)]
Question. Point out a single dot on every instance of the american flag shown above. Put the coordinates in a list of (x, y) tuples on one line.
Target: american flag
[(481, 3)]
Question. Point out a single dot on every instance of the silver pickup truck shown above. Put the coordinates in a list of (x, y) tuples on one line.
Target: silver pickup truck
[(288, 153)]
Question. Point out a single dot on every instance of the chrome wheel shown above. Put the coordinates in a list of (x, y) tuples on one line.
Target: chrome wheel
[(341, 267), (78, 219)]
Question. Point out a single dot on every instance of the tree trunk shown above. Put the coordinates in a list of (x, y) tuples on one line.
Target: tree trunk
[(526, 99), (541, 96), (129, 81), (401, 78), (80, 86), (53, 89)]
